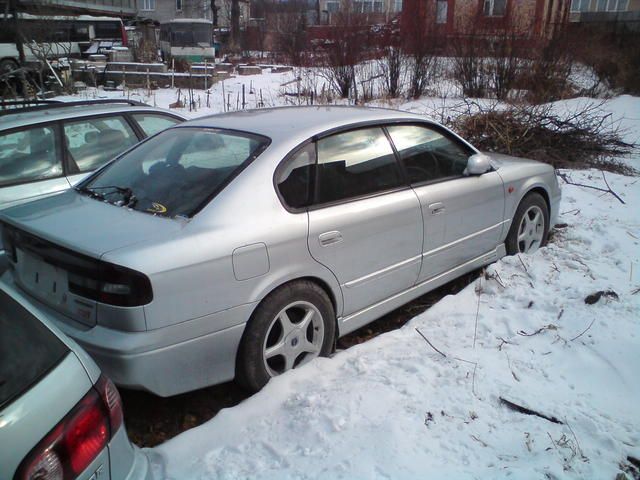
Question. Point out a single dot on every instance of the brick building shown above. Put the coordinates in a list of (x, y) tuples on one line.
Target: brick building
[(525, 18)]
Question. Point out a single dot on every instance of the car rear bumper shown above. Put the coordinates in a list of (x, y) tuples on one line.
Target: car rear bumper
[(166, 361)]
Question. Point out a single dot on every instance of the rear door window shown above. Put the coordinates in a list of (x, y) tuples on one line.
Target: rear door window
[(152, 124), (355, 163), (29, 155), (28, 350), (93, 142)]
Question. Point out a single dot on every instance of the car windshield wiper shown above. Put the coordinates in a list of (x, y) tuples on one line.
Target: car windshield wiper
[(128, 197)]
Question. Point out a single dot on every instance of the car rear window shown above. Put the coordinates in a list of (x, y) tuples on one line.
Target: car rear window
[(176, 172), (28, 350)]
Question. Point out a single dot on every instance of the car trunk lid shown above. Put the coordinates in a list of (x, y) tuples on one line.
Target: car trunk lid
[(58, 241)]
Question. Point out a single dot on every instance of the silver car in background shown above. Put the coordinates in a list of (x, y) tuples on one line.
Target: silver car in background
[(242, 245), (59, 417)]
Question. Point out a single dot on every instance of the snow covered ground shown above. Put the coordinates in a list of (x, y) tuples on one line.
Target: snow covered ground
[(395, 408)]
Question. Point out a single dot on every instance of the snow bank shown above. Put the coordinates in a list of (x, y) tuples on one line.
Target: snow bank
[(395, 408)]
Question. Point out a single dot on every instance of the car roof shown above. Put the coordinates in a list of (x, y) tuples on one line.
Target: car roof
[(55, 112), (296, 124)]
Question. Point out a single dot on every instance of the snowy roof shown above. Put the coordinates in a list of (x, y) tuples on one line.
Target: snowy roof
[(84, 18), (189, 20)]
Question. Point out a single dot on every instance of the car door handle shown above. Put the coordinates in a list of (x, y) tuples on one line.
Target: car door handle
[(329, 238), (436, 208)]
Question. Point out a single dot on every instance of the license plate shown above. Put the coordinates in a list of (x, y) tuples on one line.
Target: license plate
[(42, 279)]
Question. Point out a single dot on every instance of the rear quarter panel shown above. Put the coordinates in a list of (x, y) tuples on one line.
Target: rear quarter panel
[(192, 272)]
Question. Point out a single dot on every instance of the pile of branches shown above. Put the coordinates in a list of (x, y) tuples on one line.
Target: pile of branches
[(583, 138)]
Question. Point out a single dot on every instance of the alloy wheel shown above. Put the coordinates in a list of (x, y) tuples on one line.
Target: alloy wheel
[(294, 337), (531, 230)]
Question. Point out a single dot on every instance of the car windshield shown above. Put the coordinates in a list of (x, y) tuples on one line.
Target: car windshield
[(28, 350), (176, 172)]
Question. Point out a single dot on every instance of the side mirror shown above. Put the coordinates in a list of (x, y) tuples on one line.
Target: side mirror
[(478, 164)]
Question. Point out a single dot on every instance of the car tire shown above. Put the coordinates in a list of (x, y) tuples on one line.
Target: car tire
[(530, 226), (8, 65), (274, 342)]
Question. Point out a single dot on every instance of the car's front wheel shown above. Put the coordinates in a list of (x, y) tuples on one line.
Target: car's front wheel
[(530, 225), (292, 326)]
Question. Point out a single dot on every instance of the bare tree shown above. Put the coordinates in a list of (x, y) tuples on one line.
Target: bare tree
[(235, 25), (290, 22), (505, 62), (345, 48), (420, 43), (214, 13), (392, 62)]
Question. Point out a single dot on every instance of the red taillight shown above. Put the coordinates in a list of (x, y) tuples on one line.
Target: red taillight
[(123, 30), (86, 436), (111, 399), (78, 439)]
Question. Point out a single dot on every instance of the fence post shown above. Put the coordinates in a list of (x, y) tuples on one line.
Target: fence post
[(173, 71)]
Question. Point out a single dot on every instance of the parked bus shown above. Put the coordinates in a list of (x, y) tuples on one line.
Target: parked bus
[(187, 38), (57, 36)]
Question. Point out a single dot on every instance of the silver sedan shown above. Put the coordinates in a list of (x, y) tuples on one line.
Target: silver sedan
[(242, 245)]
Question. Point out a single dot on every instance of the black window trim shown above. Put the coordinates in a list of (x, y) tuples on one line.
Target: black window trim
[(384, 124), (59, 139), (445, 133), (328, 133), (403, 185)]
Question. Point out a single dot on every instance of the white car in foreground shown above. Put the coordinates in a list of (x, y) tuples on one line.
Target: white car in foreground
[(60, 418)]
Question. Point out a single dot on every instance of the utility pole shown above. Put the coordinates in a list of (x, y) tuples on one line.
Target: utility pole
[(235, 24), (13, 10)]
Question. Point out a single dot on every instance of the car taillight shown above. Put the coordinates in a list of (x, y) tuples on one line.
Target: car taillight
[(111, 399), (75, 442), (114, 285), (123, 31)]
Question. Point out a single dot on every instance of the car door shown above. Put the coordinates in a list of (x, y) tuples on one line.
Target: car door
[(92, 142), (30, 164), (365, 223), (463, 215)]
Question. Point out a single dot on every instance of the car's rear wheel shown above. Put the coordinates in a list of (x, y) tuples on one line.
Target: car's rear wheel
[(291, 327), (8, 65), (530, 225)]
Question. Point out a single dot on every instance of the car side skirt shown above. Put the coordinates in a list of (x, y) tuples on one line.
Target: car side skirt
[(358, 319)]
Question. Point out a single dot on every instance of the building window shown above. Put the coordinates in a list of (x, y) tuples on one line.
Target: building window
[(580, 5), (179, 5), (333, 7), (148, 5), (618, 5), (441, 11), (495, 8), (396, 6)]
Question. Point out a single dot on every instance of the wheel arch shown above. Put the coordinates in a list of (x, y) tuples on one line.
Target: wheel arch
[(543, 193)]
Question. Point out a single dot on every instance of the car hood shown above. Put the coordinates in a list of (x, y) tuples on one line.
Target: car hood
[(86, 225)]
